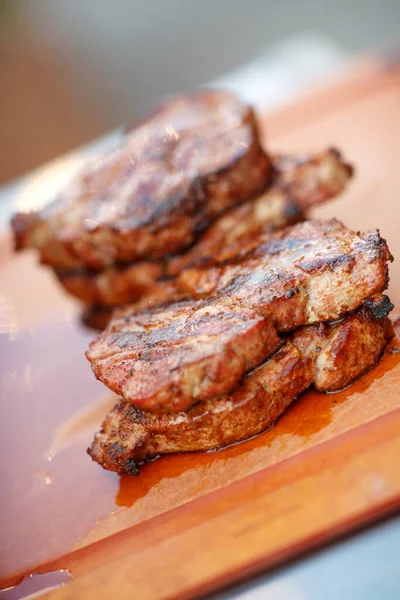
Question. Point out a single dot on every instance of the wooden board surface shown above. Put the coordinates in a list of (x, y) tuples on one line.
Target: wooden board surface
[(194, 522)]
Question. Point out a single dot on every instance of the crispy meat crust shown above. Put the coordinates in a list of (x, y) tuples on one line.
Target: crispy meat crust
[(168, 357), (300, 181), (330, 356), (191, 161)]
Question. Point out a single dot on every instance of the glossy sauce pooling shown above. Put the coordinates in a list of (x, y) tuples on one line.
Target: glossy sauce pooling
[(53, 498), (34, 584)]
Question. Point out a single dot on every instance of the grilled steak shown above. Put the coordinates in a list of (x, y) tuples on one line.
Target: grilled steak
[(167, 357), (172, 176), (313, 271), (299, 182), (330, 356)]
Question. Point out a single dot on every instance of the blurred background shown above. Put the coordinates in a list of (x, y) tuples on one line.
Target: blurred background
[(71, 70)]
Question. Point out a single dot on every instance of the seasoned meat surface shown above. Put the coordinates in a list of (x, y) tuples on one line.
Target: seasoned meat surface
[(313, 271), (175, 354), (166, 359), (300, 182), (312, 179), (153, 195), (330, 356)]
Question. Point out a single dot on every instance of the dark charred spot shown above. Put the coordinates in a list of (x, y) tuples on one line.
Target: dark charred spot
[(380, 307), (136, 415), (375, 238), (115, 450), (131, 467), (318, 263), (133, 413), (290, 293)]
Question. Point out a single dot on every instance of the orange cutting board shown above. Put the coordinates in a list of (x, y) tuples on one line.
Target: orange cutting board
[(192, 523)]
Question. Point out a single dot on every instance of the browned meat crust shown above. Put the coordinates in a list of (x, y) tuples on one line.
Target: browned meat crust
[(300, 182), (194, 159), (330, 356), (313, 271), (313, 179), (168, 357)]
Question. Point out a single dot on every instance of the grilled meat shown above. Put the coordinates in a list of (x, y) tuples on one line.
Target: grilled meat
[(165, 359), (191, 161), (313, 179), (168, 357), (162, 292), (115, 285), (330, 356), (299, 182), (314, 271)]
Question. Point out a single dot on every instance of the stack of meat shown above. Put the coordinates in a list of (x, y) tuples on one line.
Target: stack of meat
[(163, 191), (237, 304)]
